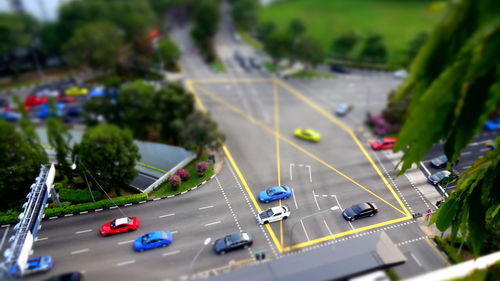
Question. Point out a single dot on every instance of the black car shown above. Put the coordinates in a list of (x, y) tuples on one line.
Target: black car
[(70, 276), (442, 178), (339, 69), (360, 210), (233, 242), (439, 162), (255, 63)]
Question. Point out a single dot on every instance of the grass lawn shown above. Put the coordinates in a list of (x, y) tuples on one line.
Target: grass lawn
[(306, 74), (165, 189), (398, 21), (218, 67)]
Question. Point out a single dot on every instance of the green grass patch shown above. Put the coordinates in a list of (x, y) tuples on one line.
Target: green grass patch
[(245, 37), (449, 249), (397, 21), (271, 67), (307, 74), (218, 67), (165, 189)]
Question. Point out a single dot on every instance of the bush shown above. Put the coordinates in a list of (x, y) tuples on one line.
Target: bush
[(450, 251), (174, 181), (51, 212), (9, 216), (77, 196), (183, 174), (201, 167)]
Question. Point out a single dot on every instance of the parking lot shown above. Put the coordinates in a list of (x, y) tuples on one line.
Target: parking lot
[(335, 172)]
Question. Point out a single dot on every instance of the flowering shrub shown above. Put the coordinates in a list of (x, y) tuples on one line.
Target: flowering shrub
[(201, 167), (183, 174), (174, 181)]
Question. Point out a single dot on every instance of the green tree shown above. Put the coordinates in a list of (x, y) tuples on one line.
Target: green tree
[(453, 87), (374, 49), (136, 58), (59, 138), (28, 130), (170, 53), (310, 52), (345, 43), (205, 25), (109, 154), (246, 13), (94, 44), (137, 106), (264, 30), (278, 45), (296, 28), (415, 45), (200, 132), (19, 165)]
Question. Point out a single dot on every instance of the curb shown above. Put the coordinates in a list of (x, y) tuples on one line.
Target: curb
[(123, 205)]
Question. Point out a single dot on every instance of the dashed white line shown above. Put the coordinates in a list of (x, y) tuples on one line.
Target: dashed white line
[(307, 236), (125, 263), (314, 196), (484, 149), (79, 251), (212, 223), (41, 239), (310, 174), (329, 231), (466, 153), (163, 216), (83, 231), (415, 258), (206, 207), (125, 242), (170, 253)]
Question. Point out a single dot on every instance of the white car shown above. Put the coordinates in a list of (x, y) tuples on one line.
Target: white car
[(400, 74), (274, 214)]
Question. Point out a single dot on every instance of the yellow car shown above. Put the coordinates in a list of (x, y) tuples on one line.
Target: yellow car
[(307, 134), (76, 91)]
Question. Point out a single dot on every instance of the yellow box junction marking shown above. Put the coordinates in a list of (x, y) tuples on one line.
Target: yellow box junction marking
[(279, 246), (278, 164)]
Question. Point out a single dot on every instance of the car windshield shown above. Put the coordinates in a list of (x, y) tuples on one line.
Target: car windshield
[(145, 238), (381, 142), (269, 192), (443, 158), (358, 208), (267, 214), (228, 240)]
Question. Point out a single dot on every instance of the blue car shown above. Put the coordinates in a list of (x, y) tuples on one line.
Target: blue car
[(492, 125), (275, 193), (38, 264), (153, 240)]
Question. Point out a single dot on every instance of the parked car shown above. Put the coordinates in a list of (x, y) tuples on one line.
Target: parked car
[(339, 69), (273, 214), (275, 193), (442, 178), (120, 225), (237, 55), (359, 211), (9, 116), (307, 134), (153, 240), (400, 74), (38, 265), (383, 143), (35, 100), (492, 125), (76, 91), (342, 109), (255, 63), (233, 242), (439, 162), (70, 276)]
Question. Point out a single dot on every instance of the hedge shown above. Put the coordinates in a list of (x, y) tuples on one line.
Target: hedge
[(450, 251), (53, 212), (77, 196), (8, 219), (363, 65)]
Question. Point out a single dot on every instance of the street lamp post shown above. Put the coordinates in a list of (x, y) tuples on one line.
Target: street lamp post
[(311, 215), (206, 242)]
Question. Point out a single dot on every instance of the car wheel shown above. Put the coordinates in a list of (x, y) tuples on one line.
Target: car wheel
[(222, 253), (164, 245), (351, 219), (267, 201), (372, 214), (266, 222), (285, 217), (286, 197), (246, 246), (141, 250)]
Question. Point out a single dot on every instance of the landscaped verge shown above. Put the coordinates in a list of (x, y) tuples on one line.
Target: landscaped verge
[(311, 74)]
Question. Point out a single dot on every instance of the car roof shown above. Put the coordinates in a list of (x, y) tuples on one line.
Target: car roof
[(121, 221), (277, 209), (390, 139), (363, 206)]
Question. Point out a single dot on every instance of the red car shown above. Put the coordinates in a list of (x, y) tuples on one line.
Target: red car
[(35, 100), (384, 143), (119, 226)]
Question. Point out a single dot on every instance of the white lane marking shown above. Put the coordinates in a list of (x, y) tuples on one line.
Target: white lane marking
[(83, 231), (341, 209), (212, 223), (314, 196), (294, 200), (466, 167), (162, 216), (125, 242), (125, 263), (465, 153), (291, 171), (307, 236), (310, 174), (484, 149), (300, 165), (324, 195), (79, 251), (425, 168), (329, 230), (38, 239), (4, 236), (174, 232), (206, 207), (415, 258), (171, 253)]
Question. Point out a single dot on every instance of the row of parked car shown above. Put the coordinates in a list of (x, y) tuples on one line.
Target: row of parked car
[(247, 63)]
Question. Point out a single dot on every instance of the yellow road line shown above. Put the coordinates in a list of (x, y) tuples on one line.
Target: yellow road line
[(189, 84), (264, 126), (230, 80), (351, 133), (250, 194), (278, 164), (427, 230), (354, 231), (445, 259)]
